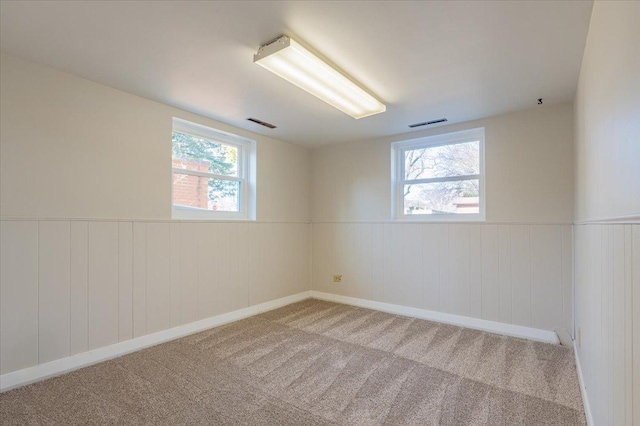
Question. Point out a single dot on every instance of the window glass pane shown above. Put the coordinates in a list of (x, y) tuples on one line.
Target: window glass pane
[(458, 159), (194, 153), (205, 193), (457, 197)]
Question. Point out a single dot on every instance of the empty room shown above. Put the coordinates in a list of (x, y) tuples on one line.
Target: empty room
[(320, 212)]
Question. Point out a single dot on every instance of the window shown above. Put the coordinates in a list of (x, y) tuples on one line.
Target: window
[(439, 177), (212, 173)]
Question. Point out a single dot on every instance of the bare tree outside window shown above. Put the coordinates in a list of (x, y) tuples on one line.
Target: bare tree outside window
[(442, 179)]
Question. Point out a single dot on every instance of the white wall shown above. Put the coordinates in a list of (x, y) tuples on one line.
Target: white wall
[(607, 115), (607, 250), (71, 148), (515, 268), (608, 319), (515, 274), (89, 253), (73, 286), (528, 159)]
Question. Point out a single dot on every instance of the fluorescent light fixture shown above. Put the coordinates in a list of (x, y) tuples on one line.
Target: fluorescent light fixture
[(288, 59)]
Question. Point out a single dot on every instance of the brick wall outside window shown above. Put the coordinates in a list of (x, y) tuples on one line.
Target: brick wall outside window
[(190, 190)]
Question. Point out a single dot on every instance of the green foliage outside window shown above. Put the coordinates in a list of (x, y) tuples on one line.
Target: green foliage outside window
[(222, 160)]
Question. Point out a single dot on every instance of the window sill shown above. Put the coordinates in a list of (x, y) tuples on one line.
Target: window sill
[(178, 213), (442, 218)]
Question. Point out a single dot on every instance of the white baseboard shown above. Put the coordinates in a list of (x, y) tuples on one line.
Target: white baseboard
[(583, 388), (36, 373), (546, 336)]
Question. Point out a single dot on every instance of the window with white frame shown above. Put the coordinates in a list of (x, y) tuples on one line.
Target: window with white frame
[(212, 173), (439, 177)]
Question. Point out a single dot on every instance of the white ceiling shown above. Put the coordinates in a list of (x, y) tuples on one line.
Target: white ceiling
[(425, 60)]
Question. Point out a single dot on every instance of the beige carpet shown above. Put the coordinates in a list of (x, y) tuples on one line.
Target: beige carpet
[(315, 363)]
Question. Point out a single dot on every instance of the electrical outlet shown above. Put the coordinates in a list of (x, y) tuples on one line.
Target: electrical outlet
[(337, 278), (579, 337)]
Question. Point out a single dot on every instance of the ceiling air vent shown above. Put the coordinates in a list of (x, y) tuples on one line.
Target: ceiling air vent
[(262, 123), (426, 123)]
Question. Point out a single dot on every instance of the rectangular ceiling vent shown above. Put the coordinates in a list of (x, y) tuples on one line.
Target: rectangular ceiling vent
[(262, 123), (427, 123)]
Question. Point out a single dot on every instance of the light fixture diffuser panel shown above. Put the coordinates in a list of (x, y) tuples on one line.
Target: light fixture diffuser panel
[(288, 59)]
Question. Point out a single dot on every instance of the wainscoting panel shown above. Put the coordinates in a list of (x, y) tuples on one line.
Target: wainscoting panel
[(189, 272), (103, 284), (490, 278), (517, 274), (158, 276), (521, 276), (125, 281), (546, 270), (54, 261), (70, 286), (19, 295), (504, 268), (139, 293), (78, 318), (174, 272), (607, 293)]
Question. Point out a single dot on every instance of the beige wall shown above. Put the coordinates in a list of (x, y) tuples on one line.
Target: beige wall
[(516, 269), (76, 151), (71, 148), (607, 114), (607, 255), (528, 159)]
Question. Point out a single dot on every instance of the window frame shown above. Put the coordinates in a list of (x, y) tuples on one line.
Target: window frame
[(246, 173), (398, 180)]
